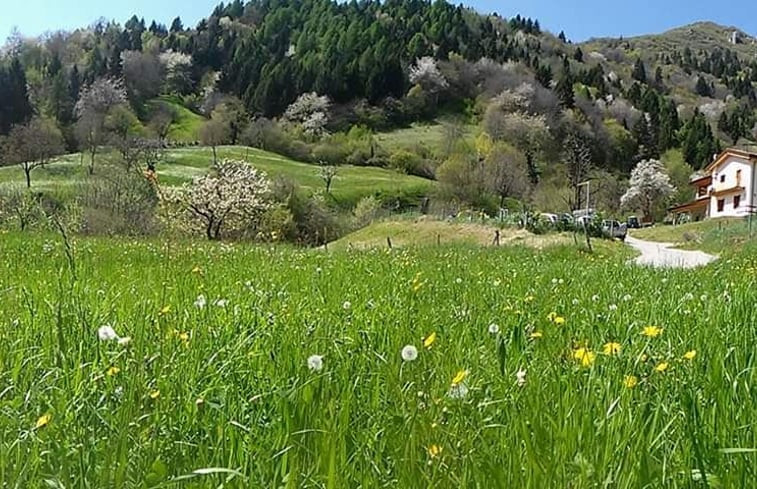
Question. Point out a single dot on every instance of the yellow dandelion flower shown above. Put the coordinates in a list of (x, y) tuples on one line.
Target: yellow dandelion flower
[(154, 395), (165, 310), (611, 348), (584, 356), (536, 334), (43, 421), (429, 340), (112, 371), (689, 355), (434, 451), (652, 331), (630, 381), (197, 269), (559, 321), (459, 377), (184, 336), (551, 316), (661, 367), (529, 298)]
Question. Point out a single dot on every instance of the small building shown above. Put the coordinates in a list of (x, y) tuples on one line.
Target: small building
[(727, 188)]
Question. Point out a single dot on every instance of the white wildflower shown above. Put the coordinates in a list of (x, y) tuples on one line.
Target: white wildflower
[(595, 298), (458, 280), (627, 298), (200, 302), (107, 333), (315, 362), (613, 307), (347, 305), (409, 353), (124, 341), (520, 376), (703, 298), (576, 302), (493, 328)]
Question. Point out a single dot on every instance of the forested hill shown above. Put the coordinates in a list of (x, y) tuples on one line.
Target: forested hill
[(386, 64)]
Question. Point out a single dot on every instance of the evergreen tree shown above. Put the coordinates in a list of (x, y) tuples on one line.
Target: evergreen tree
[(14, 98), (578, 55), (177, 26), (564, 89), (639, 72), (703, 88)]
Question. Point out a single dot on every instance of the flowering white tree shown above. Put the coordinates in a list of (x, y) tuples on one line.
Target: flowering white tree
[(233, 197), (426, 73), (178, 68), (649, 184), (93, 106), (311, 111)]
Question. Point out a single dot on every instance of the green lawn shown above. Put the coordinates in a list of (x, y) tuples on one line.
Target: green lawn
[(713, 235), (186, 127), (532, 369), (181, 165)]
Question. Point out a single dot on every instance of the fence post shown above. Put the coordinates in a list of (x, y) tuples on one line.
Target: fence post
[(389, 242)]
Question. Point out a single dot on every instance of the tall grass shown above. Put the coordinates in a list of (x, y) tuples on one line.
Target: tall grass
[(203, 396)]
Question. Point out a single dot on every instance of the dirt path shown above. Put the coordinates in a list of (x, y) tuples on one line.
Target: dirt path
[(664, 255)]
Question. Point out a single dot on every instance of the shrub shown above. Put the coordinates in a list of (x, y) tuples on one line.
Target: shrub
[(366, 211)]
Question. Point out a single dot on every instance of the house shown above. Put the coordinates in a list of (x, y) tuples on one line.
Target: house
[(727, 187)]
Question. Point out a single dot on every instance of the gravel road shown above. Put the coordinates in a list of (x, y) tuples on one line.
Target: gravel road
[(664, 255)]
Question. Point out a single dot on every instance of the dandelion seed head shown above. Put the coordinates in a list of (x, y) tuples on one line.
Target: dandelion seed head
[(315, 363), (493, 328), (409, 353), (107, 333)]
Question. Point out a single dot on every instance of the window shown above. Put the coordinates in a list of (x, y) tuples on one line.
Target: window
[(703, 190), (736, 201), (722, 178), (721, 205)]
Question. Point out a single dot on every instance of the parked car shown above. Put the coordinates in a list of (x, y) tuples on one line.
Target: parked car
[(615, 229), (550, 218), (633, 222)]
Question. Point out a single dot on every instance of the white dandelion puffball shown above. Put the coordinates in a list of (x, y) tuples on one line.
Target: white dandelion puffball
[(520, 377), (200, 302), (595, 298), (315, 362), (613, 307), (107, 333), (493, 328), (576, 302), (458, 391), (221, 302), (347, 305), (409, 353), (124, 341), (627, 298)]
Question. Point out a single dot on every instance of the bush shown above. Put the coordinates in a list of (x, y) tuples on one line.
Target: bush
[(331, 153), (411, 163), (118, 203), (366, 211)]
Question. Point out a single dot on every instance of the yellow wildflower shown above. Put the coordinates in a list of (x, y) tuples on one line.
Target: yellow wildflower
[(611, 348), (184, 336), (459, 377), (529, 298), (434, 451), (689, 355), (661, 367), (630, 381), (584, 356), (536, 334), (652, 331), (43, 421), (197, 269), (154, 395), (551, 316), (113, 371), (559, 320), (429, 340), (165, 310)]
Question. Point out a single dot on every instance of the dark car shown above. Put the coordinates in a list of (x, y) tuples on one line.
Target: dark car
[(633, 222)]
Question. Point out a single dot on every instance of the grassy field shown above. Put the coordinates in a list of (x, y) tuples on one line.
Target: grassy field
[(423, 232), (712, 235), (181, 165), (532, 371), (186, 126), (431, 136)]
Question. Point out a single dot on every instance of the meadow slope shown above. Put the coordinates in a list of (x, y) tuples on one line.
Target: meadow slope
[(556, 369)]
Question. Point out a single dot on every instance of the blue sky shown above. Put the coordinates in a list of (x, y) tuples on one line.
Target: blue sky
[(580, 19)]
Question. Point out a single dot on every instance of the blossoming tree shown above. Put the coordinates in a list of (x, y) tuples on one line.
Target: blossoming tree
[(649, 185), (231, 198)]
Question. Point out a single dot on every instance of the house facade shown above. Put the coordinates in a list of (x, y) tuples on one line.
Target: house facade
[(728, 187)]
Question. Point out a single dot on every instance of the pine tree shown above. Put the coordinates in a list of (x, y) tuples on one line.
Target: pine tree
[(639, 72), (578, 55), (564, 89), (703, 88), (177, 26)]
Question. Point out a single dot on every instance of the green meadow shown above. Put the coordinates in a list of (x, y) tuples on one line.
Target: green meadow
[(270, 366)]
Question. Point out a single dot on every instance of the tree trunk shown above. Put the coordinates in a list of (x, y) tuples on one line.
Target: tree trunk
[(92, 154), (209, 229), (215, 158), (28, 173)]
